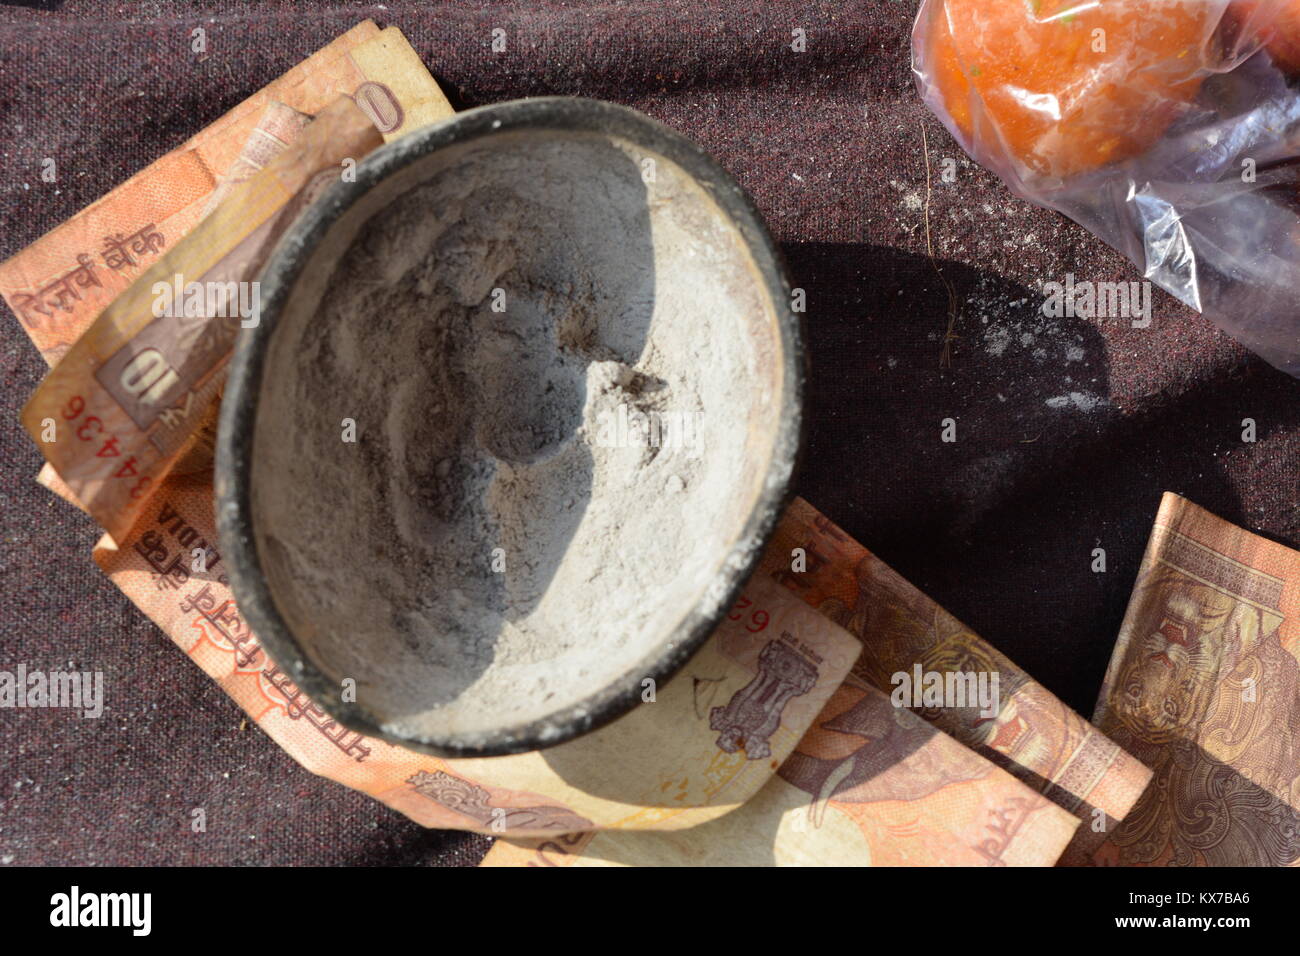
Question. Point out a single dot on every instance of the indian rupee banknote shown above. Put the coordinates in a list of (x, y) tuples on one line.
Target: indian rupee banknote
[(699, 746), (61, 282), (127, 400), (870, 784), (1033, 735), (1204, 688)]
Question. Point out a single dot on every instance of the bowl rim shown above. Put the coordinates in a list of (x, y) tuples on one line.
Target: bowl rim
[(237, 423)]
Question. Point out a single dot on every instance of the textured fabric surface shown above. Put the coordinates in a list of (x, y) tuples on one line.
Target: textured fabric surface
[(1068, 429)]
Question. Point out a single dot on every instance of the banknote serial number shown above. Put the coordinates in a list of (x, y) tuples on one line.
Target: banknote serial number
[(754, 619), (90, 428)]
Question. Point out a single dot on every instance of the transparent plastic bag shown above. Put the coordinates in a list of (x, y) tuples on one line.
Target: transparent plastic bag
[(1170, 129)]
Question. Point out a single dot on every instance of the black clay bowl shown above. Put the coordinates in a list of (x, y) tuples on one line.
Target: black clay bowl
[(519, 417)]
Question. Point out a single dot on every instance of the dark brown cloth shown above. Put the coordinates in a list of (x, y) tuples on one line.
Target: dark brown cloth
[(1068, 429)]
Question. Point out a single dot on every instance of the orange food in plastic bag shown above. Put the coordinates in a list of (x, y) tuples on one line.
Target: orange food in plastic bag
[(1282, 33), (1068, 85)]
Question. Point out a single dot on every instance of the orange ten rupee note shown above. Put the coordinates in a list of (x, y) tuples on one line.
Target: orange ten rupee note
[(61, 282), (126, 400), (1034, 736), (1204, 688), (870, 784)]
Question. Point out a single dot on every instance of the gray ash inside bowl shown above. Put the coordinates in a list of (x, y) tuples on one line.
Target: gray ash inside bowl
[(560, 365)]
